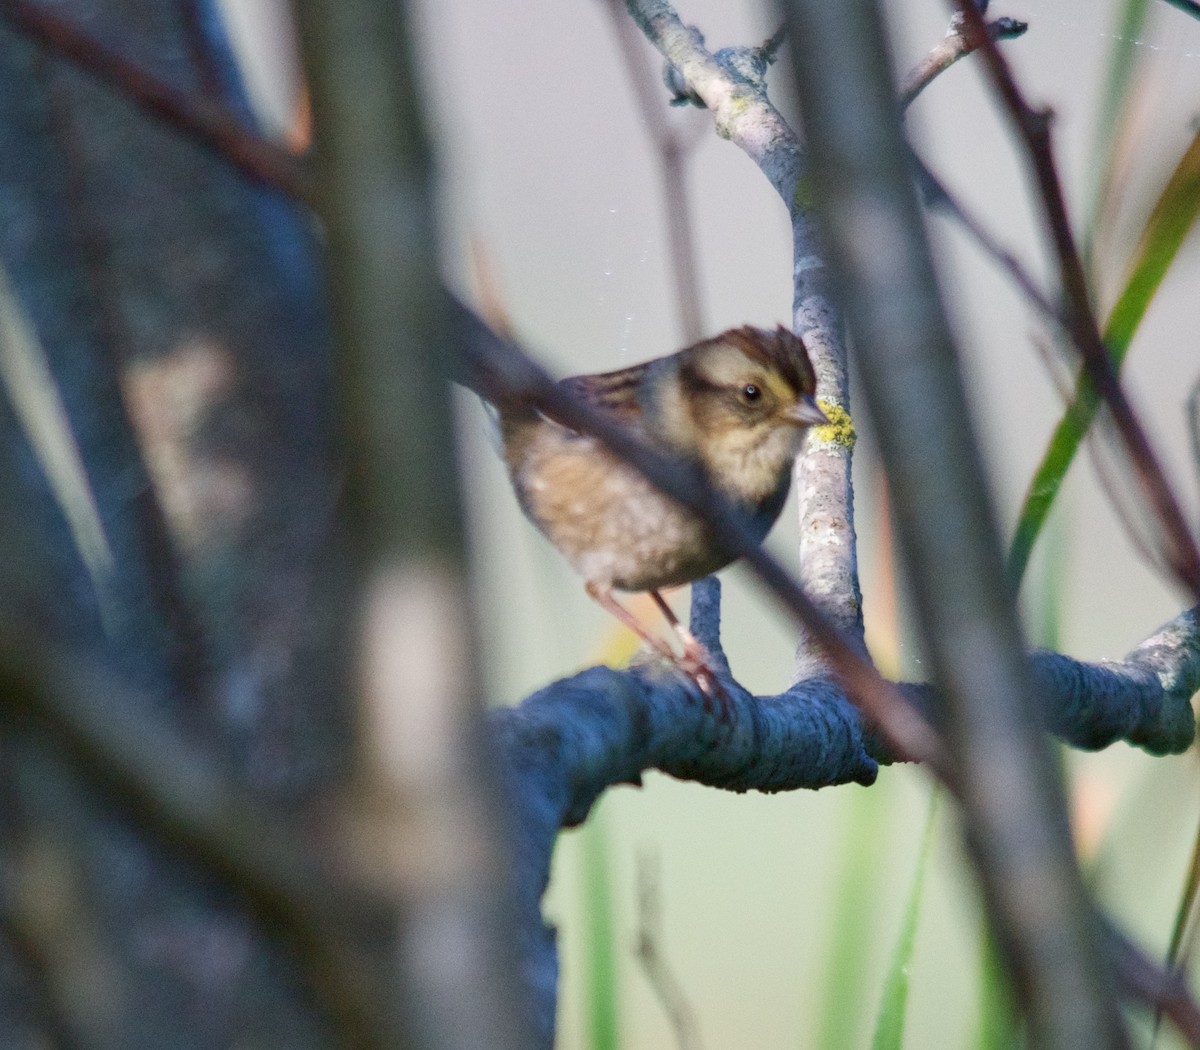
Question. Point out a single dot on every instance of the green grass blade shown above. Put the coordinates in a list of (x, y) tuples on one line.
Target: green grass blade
[(889, 1030), (1169, 223), (1109, 116), (599, 954), (852, 931), (999, 1028), (1183, 922), (1046, 593)]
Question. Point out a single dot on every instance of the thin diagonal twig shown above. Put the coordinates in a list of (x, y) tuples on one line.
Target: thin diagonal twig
[(673, 149), (201, 117), (940, 198), (953, 46), (650, 954), (1189, 7)]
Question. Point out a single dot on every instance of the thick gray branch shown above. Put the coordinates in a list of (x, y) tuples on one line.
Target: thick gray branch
[(571, 741), (1145, 699)]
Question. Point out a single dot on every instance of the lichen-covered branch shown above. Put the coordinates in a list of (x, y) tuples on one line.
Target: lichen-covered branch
[(732, 83), (736, 95)]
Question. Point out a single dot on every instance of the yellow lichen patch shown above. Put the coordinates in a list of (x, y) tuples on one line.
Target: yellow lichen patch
[(839, 430), (731, 112)]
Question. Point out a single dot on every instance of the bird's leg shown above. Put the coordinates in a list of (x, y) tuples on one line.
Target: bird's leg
[(697, 662), (603, 597), (692, 649)]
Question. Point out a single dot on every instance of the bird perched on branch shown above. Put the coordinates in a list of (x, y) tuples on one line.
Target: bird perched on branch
[(736, 406)]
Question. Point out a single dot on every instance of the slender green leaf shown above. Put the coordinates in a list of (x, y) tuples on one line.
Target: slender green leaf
[(999, 1028), (599, 954), (1183, 928), (1169, 223), (1110, 116), (853, 929), (889, 1030), (1046, 593)]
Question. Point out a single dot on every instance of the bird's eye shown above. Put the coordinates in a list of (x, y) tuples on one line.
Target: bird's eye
[(751, 393)]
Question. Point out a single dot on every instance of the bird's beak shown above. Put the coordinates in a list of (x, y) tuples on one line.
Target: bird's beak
[(806, 413)]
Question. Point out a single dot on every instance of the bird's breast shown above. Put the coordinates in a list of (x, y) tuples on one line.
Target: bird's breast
[(611, 524)]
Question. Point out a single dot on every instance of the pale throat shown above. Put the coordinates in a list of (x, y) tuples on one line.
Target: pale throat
[(755, 463)]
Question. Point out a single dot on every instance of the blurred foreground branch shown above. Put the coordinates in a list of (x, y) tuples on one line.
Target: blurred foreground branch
[(1012, 801), (428, 816)]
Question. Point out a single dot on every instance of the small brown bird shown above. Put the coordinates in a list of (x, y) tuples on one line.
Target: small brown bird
[(737, 406)]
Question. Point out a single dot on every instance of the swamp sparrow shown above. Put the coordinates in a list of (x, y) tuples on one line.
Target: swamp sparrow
[(737, 406)]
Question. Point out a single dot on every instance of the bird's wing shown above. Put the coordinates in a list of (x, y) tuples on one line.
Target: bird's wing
[(613, 393)]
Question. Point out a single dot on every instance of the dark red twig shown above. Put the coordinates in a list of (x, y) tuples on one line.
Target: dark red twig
[(1151, 983), (673, 149), (1033, 127), (204, 119)]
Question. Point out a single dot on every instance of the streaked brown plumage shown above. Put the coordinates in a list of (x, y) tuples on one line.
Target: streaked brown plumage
[(737, 406)]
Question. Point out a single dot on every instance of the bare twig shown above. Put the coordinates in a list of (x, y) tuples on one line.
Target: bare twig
[(953, 46), (1019, 835), (1151, 983), (1187, 6), (200, 116), (939, 197), (650, 954), (1033, 127), (740, 107), (1112, 484), (672, 148)]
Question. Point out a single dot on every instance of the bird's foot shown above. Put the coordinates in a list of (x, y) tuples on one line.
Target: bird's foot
[(698, 664)]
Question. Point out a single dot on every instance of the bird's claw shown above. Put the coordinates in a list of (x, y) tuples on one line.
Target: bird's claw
[(698, 664)]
